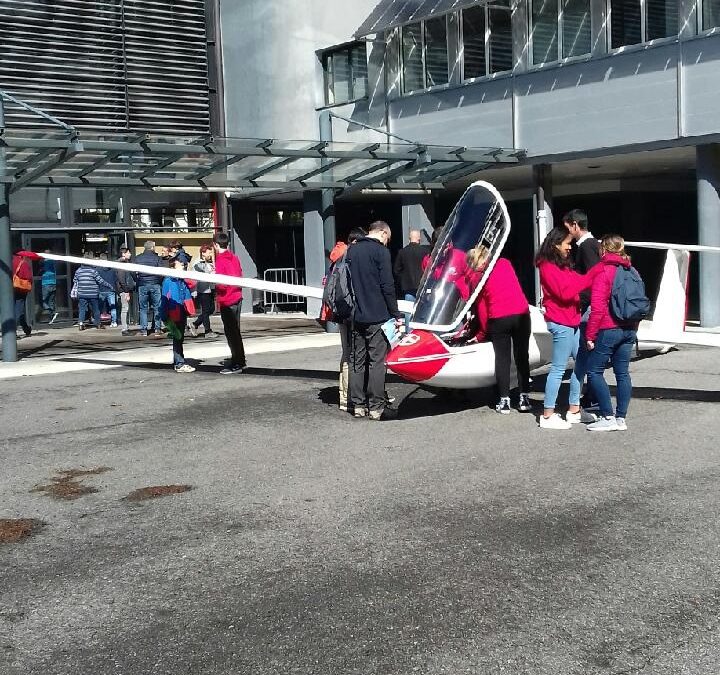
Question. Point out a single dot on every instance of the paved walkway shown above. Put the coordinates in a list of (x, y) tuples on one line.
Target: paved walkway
[(61, 349)]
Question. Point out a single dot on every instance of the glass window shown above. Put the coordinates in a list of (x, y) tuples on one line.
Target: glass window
[(436, 52), (36, 205), (412, 59), (710, 14), (359, 72), (625, 23), (501, 53), (544, 27), (339, 80), (473, 32), (661, 18), (346, 74), (576, 36)]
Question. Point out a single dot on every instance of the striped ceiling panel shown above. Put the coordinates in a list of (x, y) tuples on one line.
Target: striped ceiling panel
[(120, 65)]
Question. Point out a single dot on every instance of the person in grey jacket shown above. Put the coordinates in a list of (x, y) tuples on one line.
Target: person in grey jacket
[(88, 282), (205, 291)]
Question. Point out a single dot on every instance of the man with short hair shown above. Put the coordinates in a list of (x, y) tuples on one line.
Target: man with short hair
[(408, 265), (148, 287), (125, 286), (374, 291), (229, 300), (586, 255), (587, 248)]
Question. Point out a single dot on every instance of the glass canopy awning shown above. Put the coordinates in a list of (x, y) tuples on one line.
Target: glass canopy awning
[(245, 166)]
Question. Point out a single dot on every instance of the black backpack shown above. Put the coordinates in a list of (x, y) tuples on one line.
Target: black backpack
[(338, 298), (628, 302)]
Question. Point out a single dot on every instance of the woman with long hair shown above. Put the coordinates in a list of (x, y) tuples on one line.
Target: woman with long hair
[(609, 339), (561, 286), (503, 315)]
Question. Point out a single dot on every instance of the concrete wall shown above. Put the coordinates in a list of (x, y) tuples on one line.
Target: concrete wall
[(273, 79)]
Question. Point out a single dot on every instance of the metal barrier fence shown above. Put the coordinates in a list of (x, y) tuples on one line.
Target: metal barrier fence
[(277, 302)]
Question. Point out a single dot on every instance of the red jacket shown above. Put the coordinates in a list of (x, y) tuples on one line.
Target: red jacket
[(501, 296), (227, 263), (23, 268), (600, 316), (561, 288)]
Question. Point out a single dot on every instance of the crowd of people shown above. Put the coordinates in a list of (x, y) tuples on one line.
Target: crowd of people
[(576, 273), (168, 307)]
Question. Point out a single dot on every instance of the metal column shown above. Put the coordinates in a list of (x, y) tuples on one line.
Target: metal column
[(327, 210), (542, 203), (708, 206), (7, 300)]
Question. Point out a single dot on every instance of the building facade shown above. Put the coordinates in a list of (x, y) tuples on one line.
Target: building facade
[(614, 102), (118, 70)]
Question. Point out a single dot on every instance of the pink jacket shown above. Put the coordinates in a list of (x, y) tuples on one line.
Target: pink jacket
[(501, 296), (600, 316), (227, 263), (561, 288)]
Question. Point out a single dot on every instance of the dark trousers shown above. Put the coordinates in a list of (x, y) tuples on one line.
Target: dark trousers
[(178, 352), (368, 349), (207, 307), (513, 329), (21, 311), (231, 323)]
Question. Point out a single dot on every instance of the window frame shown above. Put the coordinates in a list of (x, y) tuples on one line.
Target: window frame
[(326, 57), (401, 54), (643, 29), (486, 7), (560, 37), (701, 29)]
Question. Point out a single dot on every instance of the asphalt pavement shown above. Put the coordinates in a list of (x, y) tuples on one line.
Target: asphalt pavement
[(451, 540)]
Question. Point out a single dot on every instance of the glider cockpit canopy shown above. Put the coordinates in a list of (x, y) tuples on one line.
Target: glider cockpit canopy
[(449, 287)]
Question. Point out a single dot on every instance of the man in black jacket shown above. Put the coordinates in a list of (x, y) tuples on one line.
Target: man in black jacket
[(408, 265), (374, 290), (149, 287), (587, 248), (587, 255)]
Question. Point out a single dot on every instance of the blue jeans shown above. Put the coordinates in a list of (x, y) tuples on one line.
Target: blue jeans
[(565, 341), (48, 299), (109, 298), (581, 359), (149, 296), (614, 345), (94, 304)]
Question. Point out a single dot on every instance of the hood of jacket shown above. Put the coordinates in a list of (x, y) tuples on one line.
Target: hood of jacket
[(338, 251), (615, 260)]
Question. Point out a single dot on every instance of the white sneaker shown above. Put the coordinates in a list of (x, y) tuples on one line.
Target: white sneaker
[(621, 424), (554, 422), (580, 417), (604, 424), (184, 368), (113, 325)]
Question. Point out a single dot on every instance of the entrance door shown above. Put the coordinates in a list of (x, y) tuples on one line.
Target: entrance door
[(59, 244)]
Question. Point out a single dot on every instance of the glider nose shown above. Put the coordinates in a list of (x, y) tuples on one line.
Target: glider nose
[(418, 357)]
